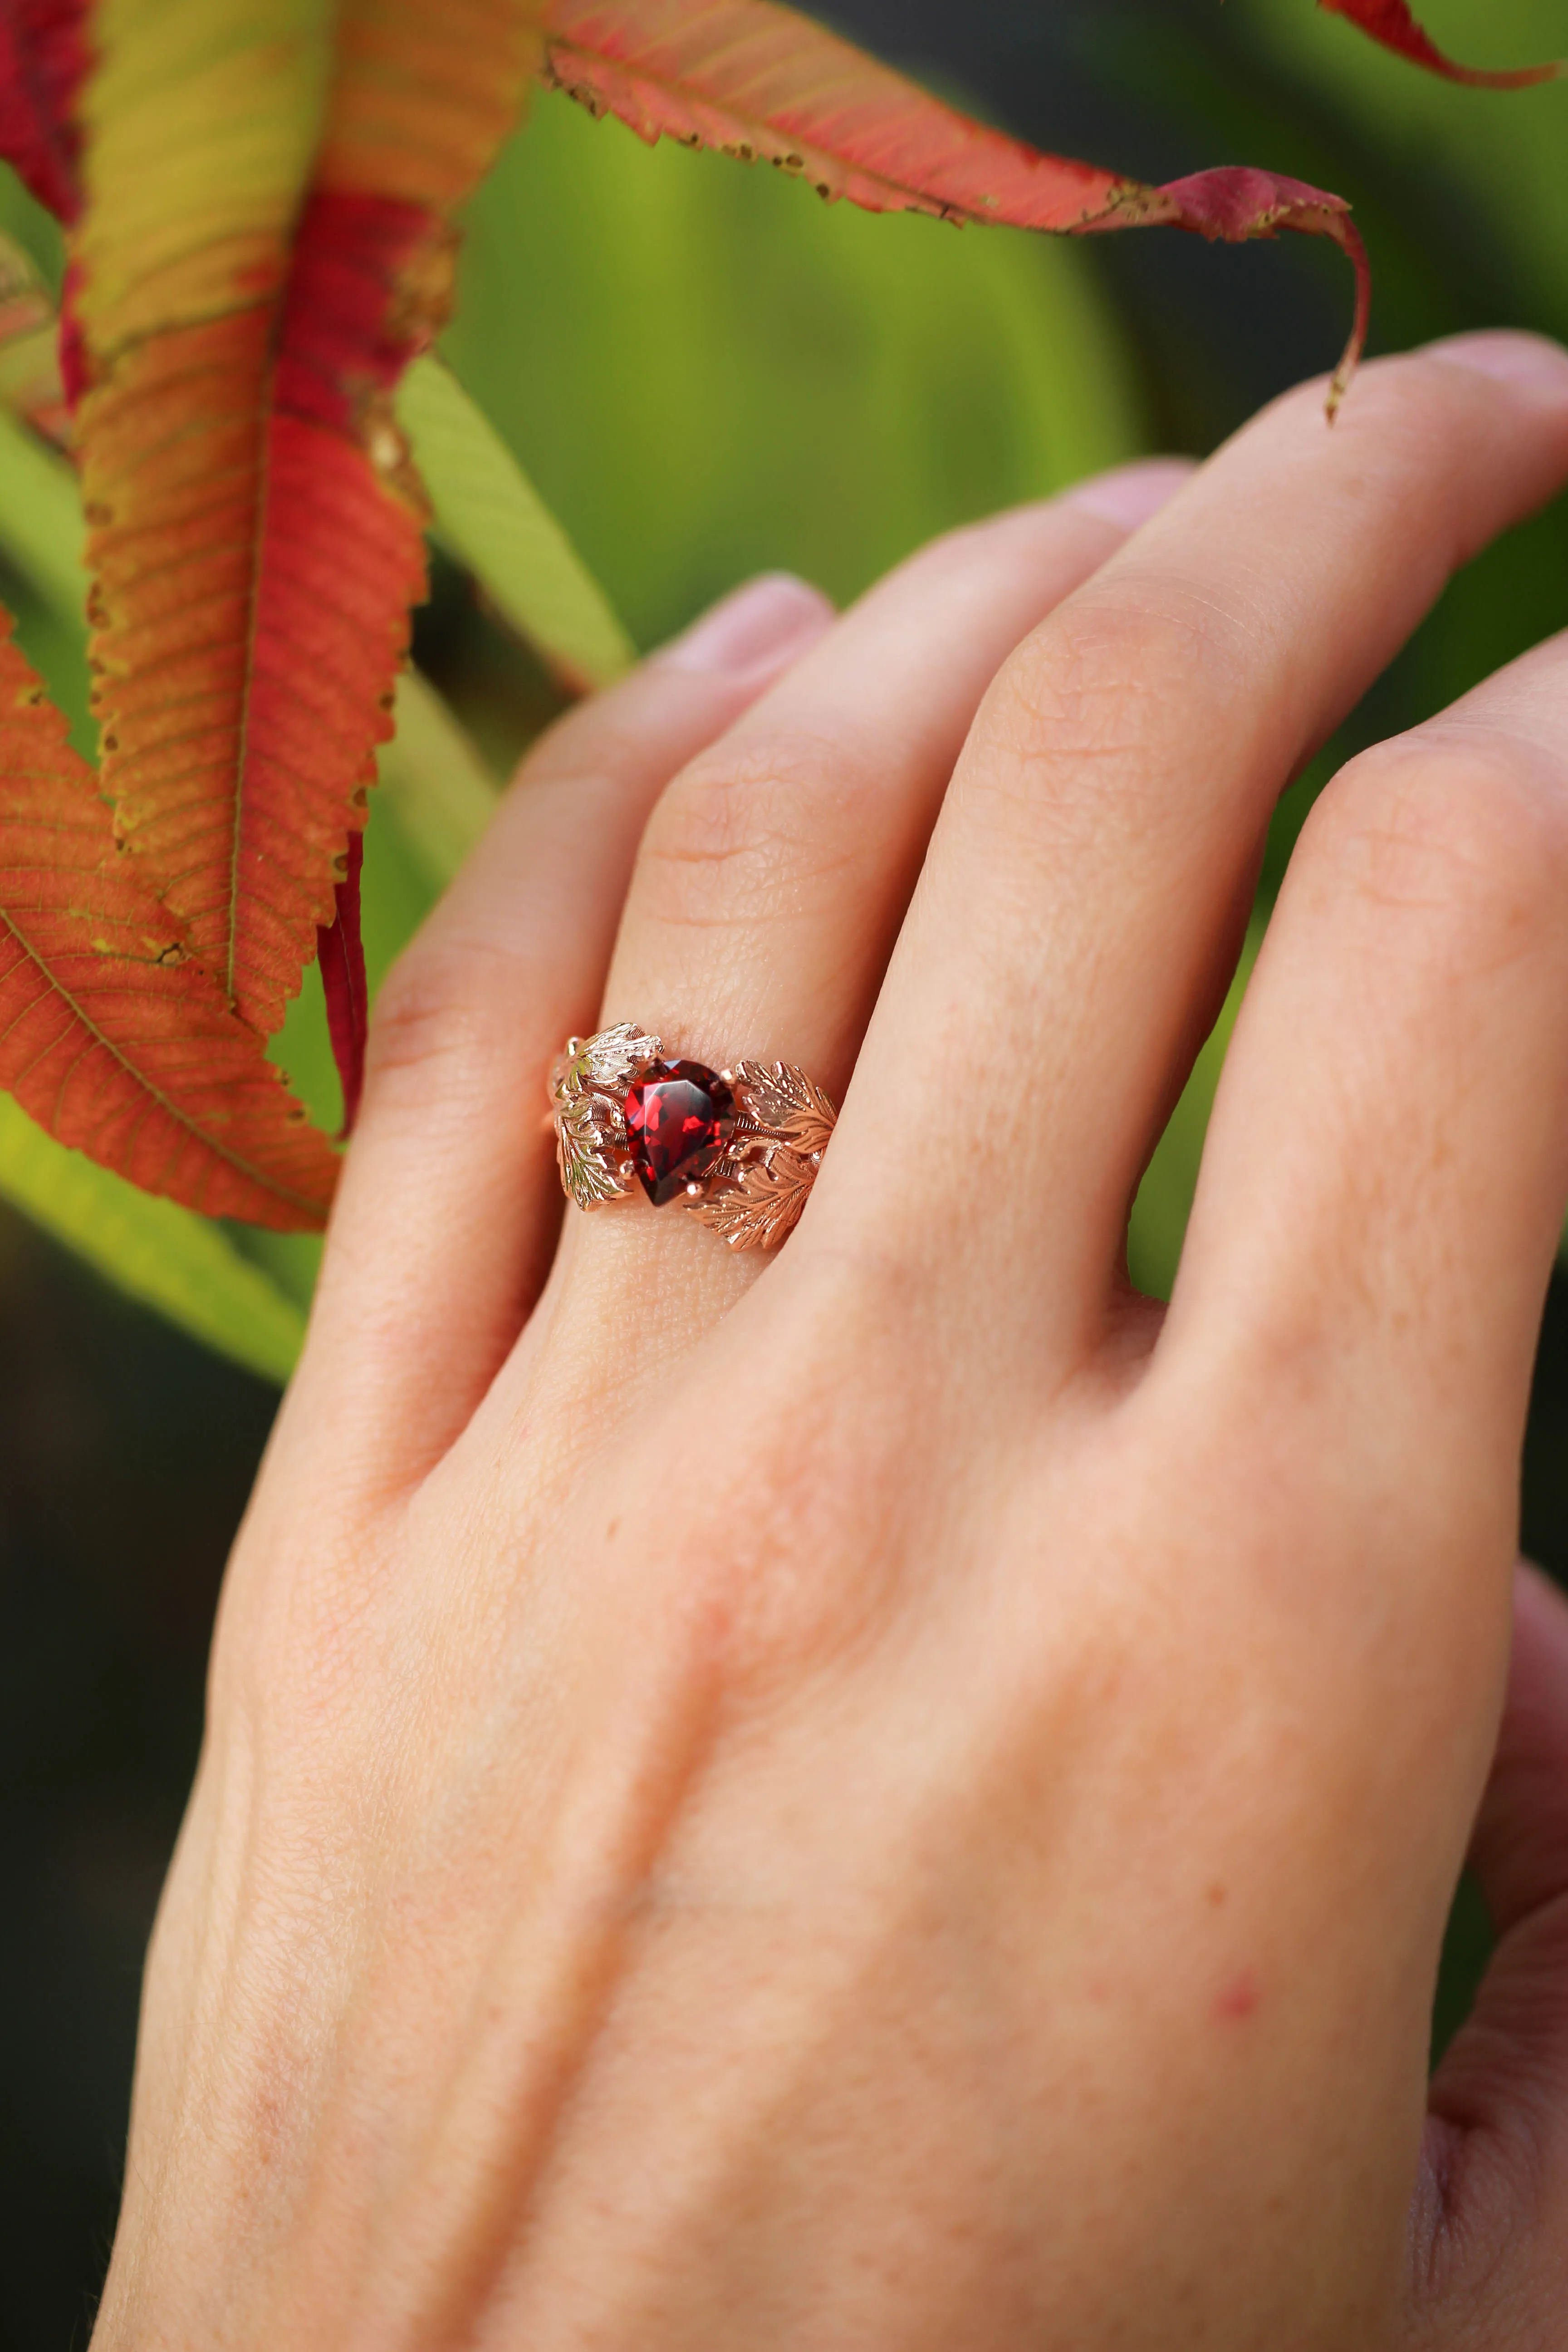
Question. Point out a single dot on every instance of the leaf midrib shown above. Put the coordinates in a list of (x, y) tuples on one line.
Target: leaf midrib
[(154, 1094)]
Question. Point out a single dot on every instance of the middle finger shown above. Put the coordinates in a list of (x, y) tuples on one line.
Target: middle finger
[(1081, 901)]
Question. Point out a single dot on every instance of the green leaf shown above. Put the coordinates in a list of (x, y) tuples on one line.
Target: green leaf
[(40, 520), (1164, 1200), (164, 1255), (433, 782), (490, 517)]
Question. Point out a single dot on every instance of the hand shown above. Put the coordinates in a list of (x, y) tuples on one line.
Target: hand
[(885, 1798)]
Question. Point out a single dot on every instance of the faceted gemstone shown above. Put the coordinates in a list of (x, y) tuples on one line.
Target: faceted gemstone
[(679, 1116)]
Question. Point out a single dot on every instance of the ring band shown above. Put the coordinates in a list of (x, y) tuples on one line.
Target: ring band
[(739, 1148)]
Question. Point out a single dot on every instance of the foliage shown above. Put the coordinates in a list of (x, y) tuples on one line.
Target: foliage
[(260, 200)]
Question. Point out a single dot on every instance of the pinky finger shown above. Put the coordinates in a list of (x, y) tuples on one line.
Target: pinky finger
[(1490, 2235)]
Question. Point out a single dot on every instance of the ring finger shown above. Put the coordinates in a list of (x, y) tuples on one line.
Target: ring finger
[(776, 868)]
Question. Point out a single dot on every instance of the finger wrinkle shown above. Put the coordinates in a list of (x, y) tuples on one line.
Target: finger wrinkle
[(1470, 834)]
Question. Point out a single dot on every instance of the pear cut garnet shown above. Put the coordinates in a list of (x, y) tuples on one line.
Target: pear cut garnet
[(679, 1116)]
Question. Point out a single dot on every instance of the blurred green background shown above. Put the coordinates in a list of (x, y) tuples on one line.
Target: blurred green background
[(706, 372)]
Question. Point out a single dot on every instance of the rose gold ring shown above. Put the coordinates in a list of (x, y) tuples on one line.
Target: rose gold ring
[(739, 1149)]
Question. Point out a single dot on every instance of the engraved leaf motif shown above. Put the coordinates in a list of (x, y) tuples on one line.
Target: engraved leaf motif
[(763, 1205), (610, 1058), (607, 1059), (591, 1131), (782, 1101), (583, 1136)]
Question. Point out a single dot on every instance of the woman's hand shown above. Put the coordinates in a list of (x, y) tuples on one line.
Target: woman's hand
[(885, 1798)]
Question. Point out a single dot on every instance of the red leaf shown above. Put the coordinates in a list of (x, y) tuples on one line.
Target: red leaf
[(762, 83), (1391, 23), (110, 1036), (43, 57), (256, 531), (341, 953)]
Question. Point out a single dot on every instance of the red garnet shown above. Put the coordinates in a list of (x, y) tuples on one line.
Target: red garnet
[(679, 1116)]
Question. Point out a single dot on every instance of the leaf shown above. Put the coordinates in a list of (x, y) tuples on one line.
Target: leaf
[(167, 1257), (41, 518), (265, 243), (785, 1103), (490, 515), (339, 952), (162, 1255), (762, 83), (711, 377), (610, 1058), (760, 1205), (590, 1121), (588, 1132), (43, 57), (111, 1036), (1392, 23), (30, 385), (433, 782)]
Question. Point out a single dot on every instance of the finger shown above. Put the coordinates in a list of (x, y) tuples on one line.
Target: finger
[(1491, 2210), (1383, 1181), (449, 1205), (1108, 811), (775, 870)]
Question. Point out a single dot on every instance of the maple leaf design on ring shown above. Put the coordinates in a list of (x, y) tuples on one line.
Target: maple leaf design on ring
[(787, 1122), (586, 1090), (780, 1101), (758, 1204)]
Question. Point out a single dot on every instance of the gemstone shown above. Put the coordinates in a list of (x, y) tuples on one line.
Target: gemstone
[(679, 1116)]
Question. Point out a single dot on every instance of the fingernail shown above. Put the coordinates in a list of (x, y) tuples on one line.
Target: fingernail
[(1132, 493), (1532, 362), (757, 626)]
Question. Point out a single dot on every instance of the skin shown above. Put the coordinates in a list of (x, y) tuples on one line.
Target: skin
[(895, 1796)]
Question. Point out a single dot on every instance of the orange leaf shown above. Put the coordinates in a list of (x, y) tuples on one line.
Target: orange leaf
[(255, 528), (1391, 23), (762, 83), (111, 1036)]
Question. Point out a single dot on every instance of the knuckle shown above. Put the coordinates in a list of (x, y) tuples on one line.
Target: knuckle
[(1465, 829), (741, 825), (1080, 717)]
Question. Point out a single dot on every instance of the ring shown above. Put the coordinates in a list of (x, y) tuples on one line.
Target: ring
[(739, 1149)]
